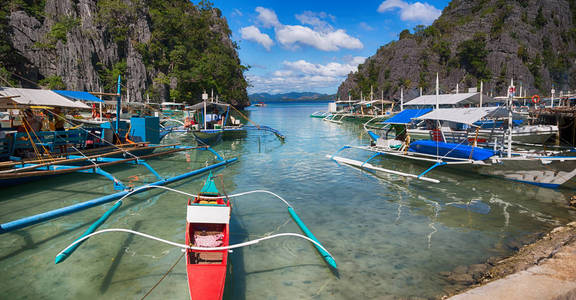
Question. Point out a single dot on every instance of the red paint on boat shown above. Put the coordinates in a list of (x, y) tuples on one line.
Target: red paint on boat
[(207, 269)]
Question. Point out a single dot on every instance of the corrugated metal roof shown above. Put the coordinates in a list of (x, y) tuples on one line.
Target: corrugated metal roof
[(450, 99), (208, 104), (467, 115), (34, 97)]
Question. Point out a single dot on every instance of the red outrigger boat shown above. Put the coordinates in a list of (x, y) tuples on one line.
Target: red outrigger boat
[(207, 225)]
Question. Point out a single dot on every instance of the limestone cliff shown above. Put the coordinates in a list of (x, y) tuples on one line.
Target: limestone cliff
[(533, 41), (165, 50)]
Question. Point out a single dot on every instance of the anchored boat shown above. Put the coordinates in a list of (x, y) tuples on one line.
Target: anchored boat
[(211, 121), (207, 237), (207, 225), (551, 169)]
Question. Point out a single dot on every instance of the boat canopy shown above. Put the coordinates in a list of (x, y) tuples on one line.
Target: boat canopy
[(208, 104), (406, 116), (35, 97), (374, 102), (465, 115), (451, 99), (172, 104), (78, 95)]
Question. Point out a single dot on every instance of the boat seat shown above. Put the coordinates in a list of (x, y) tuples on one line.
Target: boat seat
[(208, 257)]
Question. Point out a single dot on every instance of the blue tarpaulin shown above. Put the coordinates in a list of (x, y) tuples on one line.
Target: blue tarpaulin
[(406, 116), (77, 95), (451, 150)]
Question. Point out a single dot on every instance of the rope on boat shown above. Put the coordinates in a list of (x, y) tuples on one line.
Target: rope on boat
[(77, 150), (187, 247), (204, 197), (165, 274), (96, 136)]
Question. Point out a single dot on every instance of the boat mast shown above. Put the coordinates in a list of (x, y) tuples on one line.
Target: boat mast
[(511, 91), (552, 96), (118, 108), (437, 92), (100, 105), (382, 97), (204, 99), (481, 91), (401, 98)]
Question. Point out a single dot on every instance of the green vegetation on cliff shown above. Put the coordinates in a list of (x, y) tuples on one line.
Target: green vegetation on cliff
[(173, 49), (478, 40), (187, 50)]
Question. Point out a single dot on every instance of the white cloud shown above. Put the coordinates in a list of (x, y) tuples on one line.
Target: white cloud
[(316, 20), (291, 36), (418, 11), (365, 26), (267, 17), (302, 75), (277, 85), (332, 69), (237, 12), (252, 33), (283, 73)]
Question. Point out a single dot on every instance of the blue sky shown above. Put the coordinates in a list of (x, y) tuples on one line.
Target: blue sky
[(312, 45)]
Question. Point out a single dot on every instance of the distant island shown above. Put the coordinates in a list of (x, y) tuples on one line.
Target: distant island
[(290, 97)]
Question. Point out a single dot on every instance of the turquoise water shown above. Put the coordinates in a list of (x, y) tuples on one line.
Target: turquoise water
[(390, 236)]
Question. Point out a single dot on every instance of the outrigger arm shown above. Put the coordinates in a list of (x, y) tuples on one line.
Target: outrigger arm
[(440, 163)]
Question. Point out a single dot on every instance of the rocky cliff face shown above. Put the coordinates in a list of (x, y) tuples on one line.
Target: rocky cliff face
[(86, 44), (532, 41)]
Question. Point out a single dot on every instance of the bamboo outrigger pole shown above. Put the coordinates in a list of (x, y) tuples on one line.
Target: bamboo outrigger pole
[(39, 218)]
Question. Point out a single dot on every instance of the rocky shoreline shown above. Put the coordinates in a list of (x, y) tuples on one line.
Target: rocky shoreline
[(554, 248)]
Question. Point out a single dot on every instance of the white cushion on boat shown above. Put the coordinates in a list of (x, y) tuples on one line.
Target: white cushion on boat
[(208, 214)]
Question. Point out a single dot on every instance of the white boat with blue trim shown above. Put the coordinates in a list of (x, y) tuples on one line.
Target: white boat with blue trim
[(550, 169)]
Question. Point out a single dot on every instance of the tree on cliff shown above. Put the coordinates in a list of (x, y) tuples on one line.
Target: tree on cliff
[(168, 50)]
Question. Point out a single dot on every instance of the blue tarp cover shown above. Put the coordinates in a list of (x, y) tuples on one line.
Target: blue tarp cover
[(78, 95), (406, 116), (451, 150)]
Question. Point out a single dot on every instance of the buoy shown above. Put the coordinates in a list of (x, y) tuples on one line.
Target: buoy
[(535, 99)]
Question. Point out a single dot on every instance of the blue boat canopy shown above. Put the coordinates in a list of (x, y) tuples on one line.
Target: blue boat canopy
[(406, 116), (78, 95)]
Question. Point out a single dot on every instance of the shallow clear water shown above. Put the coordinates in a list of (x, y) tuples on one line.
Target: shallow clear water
[(391, 236)]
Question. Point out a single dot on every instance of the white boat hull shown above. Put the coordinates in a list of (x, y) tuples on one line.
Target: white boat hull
[(550, 172), (532, 134)]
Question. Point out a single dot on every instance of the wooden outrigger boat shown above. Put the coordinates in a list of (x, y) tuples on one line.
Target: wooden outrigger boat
[(215, 123), (551, 169), (17, 172), (207, 225), (207, 238)]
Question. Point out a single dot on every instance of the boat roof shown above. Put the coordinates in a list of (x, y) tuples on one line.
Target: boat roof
[(451, 99), (464, 115), (406, 116), (172, 104), (346, 101), (208, 104), (114, 102), (78, 95), (36, 97), (374, 102)]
